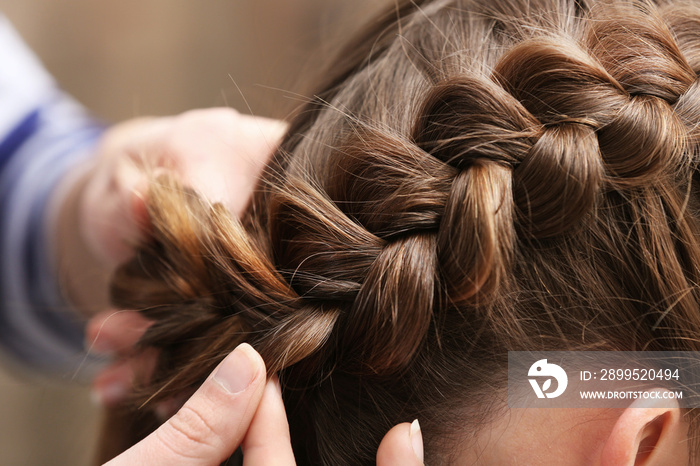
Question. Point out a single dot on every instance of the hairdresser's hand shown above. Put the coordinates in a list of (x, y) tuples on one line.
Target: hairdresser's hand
[(218, 152), (236, 407)]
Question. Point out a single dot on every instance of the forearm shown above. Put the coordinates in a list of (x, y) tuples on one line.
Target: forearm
[(38, 325), (43, 135)]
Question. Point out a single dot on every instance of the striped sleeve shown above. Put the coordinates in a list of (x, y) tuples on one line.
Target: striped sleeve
[(43, 134)]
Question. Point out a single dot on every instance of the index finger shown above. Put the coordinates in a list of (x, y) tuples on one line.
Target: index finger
[(115, 331), (267, 441)]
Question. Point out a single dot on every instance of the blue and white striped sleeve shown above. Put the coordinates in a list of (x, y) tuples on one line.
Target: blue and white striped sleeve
[(43, 134)]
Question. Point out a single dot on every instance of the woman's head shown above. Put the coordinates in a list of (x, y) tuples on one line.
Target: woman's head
[(476, 177)]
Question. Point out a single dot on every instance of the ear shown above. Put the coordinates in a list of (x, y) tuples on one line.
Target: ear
[(651, 431)]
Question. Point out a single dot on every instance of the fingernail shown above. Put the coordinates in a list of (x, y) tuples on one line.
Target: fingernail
[(417, 440), (238, 370), (109, 394)]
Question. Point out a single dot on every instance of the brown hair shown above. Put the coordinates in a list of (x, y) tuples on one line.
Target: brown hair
[(476, 177)]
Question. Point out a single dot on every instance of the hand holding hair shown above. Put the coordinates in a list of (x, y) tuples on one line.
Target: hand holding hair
[(218, 152), (237, 407), (217, 418), (473, 178)]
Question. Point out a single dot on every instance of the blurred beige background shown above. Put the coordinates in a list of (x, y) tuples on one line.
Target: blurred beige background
[(126, 58)]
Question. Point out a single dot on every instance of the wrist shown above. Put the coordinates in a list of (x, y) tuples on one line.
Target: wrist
[(83, 278)]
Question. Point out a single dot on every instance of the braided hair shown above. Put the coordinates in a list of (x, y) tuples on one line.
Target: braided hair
[(474, 177)]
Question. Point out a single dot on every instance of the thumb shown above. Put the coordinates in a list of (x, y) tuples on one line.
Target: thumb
[(401, 446), (211, 424)]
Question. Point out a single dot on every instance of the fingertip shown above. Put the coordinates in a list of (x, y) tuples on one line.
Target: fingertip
[(277, 129), (97, 341), (274, 131), (112, 385), (402, 445), (273, 395), (239, 369), (268, 440), (115, 331), (92, 331), (416, 439)]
